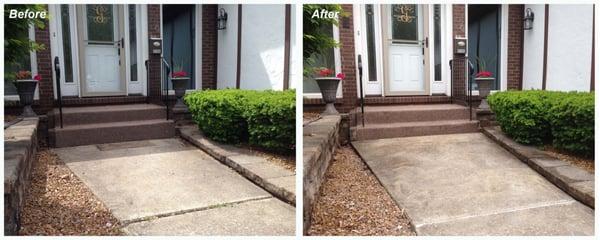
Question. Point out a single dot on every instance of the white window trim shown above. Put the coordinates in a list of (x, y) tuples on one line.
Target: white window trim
[(337, 57), (34, 69), (135, 87), (445, 56)]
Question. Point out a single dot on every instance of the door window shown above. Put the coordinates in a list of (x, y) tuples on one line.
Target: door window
[(405, 24), (100, 23)]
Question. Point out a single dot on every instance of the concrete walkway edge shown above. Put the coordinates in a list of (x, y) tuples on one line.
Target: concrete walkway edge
[(574, 181), (194, 136)]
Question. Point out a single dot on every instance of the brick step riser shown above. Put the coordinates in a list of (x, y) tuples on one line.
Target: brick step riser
[(78, 137), (70, 119), (411, 131), (415, 116)]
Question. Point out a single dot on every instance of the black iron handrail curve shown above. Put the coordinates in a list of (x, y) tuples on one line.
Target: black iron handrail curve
[(58, 91), (166, 85)]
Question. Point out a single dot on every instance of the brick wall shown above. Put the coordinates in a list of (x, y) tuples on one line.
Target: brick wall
[(44, 67), (458, 75), (515, 47), (154, 63), (209, 46), (346, 28)]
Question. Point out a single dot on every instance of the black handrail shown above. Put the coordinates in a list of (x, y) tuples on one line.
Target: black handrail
[(58, 91), (362, 99), (147, 82), (166, 86), (468, 73)]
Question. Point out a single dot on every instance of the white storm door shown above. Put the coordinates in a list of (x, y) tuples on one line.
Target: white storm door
[(407, 47), (102, 50)]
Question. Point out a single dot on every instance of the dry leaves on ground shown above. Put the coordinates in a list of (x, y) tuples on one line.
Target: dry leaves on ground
[(580, 162), (353, 202), (58, 203), (308, 117)]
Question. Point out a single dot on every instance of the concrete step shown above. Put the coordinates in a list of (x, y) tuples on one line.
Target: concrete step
[(109, 113), (97, 133), (409, 129), (414, 113)]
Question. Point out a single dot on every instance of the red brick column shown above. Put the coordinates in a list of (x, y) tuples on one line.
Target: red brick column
[(154, 62), (44, 67), (346, 28), (209, 46), (515, 47), (458, 75)]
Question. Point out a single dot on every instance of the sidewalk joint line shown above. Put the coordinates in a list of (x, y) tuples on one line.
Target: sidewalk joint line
[(497, 212), (198, 209)]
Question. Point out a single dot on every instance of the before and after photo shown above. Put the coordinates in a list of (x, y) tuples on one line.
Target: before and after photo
[(183, 119)]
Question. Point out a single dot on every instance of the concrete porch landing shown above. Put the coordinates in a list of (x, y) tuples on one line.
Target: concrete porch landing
[(167, 187), (465, 184)]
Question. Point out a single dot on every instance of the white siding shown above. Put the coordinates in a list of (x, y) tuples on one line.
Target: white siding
[(533, 49), (295, 54), (569, 47), (263, 44), (227, 49)]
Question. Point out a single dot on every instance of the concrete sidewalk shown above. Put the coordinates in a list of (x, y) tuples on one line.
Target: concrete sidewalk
[(167, 187), (465, 184)]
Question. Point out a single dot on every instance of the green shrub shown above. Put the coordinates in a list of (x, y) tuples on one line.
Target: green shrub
[(272, 122), (219, 114), (264, 119), (536, 117), (572, 122)]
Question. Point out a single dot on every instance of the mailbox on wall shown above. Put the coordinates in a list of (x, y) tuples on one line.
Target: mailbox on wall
[(460, 45), (155, 45)]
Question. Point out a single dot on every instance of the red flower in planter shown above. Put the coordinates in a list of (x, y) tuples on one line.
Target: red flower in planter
[(324, 72), (37, 77), (341, 76), (483, 74), (179, 74)]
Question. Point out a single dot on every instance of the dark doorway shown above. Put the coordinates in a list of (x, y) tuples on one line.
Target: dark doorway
[(484, 39), (178, 38)]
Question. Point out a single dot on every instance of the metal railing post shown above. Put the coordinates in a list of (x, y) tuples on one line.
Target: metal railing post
[(362, 98), (58, 91)]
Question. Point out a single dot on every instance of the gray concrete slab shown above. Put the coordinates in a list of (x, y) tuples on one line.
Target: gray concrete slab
[(444, 179), (264, 217), (140, 180)]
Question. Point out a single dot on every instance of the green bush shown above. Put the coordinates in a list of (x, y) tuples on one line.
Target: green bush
[(218, 114), (572, 122), (271, 121), (536, 117), (264, 119)]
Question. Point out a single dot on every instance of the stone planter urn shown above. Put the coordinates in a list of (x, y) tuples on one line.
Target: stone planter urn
[(26, 90), (328, 87), (180, 84), (485, 85)]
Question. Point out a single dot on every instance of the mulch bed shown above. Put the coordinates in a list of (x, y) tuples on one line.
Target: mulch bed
[(586, 164), (58, 203), (353, 202)]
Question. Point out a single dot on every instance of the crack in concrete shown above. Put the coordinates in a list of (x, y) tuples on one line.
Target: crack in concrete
[(497, 212), (124, 223)]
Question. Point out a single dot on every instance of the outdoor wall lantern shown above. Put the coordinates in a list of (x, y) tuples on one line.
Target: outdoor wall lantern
[(222, 19), (528, 19)]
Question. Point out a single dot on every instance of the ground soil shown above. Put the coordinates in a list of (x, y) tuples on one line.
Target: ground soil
[(8, 118), (58, 203), (353, 202), (586, 164)]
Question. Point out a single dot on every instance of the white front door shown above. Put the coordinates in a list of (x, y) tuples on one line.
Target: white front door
[(406, 46), (101, 49)]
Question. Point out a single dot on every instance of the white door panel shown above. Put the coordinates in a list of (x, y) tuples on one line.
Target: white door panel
[(102, 64), (407, 49), (101, 51)]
